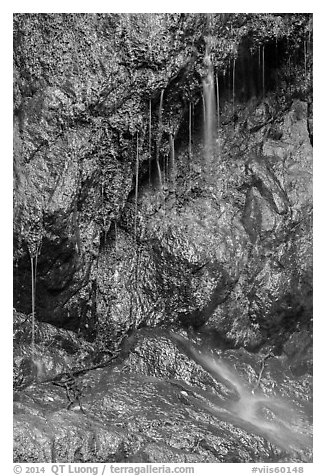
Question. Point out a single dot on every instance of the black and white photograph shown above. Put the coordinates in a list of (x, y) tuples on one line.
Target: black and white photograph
[(162, 239)]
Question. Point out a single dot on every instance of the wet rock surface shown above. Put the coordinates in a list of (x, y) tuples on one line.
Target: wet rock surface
[(235, 256), (157, 404), (133, 233), (224, 240)]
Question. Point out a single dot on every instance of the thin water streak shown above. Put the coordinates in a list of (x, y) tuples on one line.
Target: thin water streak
[(204, 108), (136, 189), (217, 102), (233, 88), (263, 68), (259, 62), (33, 305), (149, 140), (115, 238), (160, 127), (34, 246), (190, 130), (172, 164)]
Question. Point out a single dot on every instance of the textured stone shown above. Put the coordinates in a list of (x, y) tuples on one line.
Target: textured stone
[(164, 401)]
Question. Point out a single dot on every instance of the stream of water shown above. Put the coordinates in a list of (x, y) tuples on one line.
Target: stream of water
[(209, 110), (277, 419)]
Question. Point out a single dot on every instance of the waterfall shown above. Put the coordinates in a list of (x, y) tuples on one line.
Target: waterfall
[(209, 109)]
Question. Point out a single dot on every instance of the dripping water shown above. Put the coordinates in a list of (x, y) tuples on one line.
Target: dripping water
[(209, 110), (229, 79), (160, 114), (172, 165), (115, 238), (149, 139), (263, 69), (289, 65), (166, 169), (33, 305), (115, 275), (217, 102), (259, 61), (160, 127), (204, 108), (190, 130), (218, 114), (233, 87), (34, 246), (105, 226), (135, 223), (259, 70), (136, 190)]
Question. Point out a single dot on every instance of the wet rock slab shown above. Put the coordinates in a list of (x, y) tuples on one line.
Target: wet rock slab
[(128, 414)]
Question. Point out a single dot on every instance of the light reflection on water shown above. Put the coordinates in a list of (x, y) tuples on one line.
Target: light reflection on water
[(278, 420)]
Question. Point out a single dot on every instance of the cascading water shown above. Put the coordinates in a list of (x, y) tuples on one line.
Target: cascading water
[(209, 110), (274, 418)]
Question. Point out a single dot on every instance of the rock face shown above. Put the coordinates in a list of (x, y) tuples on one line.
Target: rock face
[(124, 222), (230, 248), (223, 242)]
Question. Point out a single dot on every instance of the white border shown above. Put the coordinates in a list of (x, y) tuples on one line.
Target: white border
[(319, 198)]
